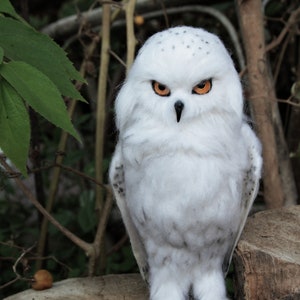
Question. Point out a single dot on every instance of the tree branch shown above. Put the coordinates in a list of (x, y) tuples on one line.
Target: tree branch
[(131, 41), (261, 94), (69, 25), (79, 242), (290, 22)]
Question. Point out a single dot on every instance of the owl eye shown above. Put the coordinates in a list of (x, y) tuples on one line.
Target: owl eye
[(203, 87), (160, 89)]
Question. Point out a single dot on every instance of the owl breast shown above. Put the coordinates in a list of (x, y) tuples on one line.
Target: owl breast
[(184, 200)]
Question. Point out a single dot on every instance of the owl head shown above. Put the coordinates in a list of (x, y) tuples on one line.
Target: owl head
[(180, 75)]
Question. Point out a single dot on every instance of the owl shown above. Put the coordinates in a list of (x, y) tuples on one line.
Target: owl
[(186, 167)]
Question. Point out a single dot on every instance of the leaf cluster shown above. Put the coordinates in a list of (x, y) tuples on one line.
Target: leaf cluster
[(34, 72)]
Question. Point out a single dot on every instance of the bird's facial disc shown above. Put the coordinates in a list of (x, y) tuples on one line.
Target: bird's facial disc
[(162, 90)]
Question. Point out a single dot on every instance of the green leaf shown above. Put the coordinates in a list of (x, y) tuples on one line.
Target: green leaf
[(39, 92), (14, 126), (7, 8), (22, 43)]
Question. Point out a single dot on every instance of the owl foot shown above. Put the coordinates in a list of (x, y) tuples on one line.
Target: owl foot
[(165, 285), (210, 287)]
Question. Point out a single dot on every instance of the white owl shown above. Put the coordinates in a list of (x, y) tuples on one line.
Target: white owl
[(186, 168)]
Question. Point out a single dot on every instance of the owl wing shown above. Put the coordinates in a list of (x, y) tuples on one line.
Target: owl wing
[(117, 181), (250, 187)]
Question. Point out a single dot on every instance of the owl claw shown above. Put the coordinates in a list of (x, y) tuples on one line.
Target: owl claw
[(178, 108)]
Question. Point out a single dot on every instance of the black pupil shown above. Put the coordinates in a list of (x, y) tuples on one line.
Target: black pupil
[(201, 85), (161, 87)]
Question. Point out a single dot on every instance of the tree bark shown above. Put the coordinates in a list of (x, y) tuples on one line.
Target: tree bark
[(267, 257), (262, 97)]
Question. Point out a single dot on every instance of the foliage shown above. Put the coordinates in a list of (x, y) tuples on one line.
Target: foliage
[(34, 74)]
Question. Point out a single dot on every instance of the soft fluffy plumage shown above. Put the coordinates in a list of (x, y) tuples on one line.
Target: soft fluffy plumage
[(184, 188)]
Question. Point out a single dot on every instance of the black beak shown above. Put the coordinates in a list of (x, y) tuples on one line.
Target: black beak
[(178, 108)]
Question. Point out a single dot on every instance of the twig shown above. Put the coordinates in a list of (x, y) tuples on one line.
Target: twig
[(14, 267), (281, 57), (58, 160), (290, 22), (101, 101), (69, 25), (9, 283), (119, 59), (118, 245), (99, 237), (131, 41), (19, 259), (69, 169), (289, 101), (76, 240)]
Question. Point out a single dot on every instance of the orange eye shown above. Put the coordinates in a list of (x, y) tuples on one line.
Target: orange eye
[(160, 89), (203, 87)]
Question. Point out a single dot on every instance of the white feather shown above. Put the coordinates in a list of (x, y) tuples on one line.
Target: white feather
[(186, 187)]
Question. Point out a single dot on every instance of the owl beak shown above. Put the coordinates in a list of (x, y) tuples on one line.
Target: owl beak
[(178, 108)]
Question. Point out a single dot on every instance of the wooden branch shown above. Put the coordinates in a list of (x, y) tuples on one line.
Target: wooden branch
[(131, 41), (291, 22), (261, 94), (58, 161), (75, 239), (101, 101), (69, 26), (99, 237)]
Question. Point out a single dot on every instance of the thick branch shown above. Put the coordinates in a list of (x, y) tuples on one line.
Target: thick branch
[(261, 94)]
